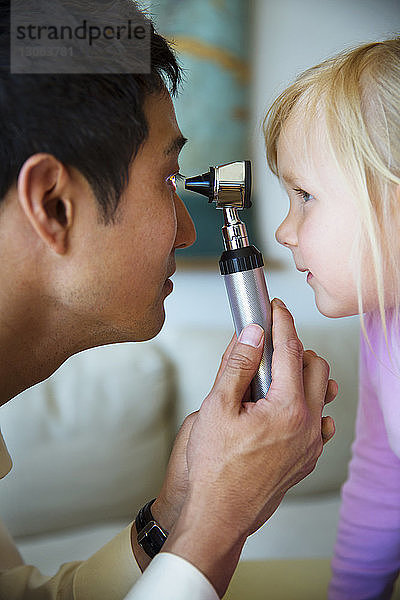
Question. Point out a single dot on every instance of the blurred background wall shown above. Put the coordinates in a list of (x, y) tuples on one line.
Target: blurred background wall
[(272, 42)]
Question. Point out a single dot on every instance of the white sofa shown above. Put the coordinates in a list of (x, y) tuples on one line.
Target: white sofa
[(91, 443)]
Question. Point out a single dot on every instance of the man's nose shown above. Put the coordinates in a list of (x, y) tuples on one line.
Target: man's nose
[(286, 234), (186, 232)]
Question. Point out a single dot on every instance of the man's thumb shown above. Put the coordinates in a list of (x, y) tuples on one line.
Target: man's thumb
[(252, 335), (242, 363)]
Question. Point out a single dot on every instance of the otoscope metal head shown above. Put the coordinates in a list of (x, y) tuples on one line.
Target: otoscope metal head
[(229, 186)]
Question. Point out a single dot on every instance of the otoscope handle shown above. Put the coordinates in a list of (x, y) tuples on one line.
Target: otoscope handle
[(249, 302)]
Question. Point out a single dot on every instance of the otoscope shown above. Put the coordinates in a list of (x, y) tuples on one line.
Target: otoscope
[(241, 264)]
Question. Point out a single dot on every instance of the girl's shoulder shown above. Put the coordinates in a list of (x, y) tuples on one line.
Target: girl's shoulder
[(380, 354), (376, 332), (382, 363)]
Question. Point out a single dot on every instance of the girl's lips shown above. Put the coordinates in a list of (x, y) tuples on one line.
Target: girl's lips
[(309, 274)]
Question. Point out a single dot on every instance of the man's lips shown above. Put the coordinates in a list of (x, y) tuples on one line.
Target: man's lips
[(172, 269), (168, 283), (172, 273)]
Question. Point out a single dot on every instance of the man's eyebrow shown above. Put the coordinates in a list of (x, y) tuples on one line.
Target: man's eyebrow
[(176, 145)]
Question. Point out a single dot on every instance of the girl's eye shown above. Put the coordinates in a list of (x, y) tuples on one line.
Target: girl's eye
[(303, 194), (173, 179)]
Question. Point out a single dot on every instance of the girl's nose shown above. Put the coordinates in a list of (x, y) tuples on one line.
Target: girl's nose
[(286, 234)]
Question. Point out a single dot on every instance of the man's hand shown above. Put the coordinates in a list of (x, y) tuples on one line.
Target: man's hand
[(242, 457), (168, 505)]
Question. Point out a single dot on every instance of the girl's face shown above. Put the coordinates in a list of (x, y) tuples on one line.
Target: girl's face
[(322, 222)]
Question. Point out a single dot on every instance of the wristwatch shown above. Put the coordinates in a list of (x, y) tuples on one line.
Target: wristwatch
[(150, 535)]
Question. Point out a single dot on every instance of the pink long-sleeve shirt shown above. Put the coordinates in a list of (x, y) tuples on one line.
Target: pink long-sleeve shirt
[(367, 553)]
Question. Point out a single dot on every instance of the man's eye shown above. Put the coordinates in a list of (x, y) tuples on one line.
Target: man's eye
[(303, 194), (173, 179)]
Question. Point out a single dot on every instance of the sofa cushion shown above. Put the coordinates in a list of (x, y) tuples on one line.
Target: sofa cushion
[(90, 443), (338, 342)]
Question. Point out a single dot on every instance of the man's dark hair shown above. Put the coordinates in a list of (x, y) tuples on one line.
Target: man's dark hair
[(93, 122)]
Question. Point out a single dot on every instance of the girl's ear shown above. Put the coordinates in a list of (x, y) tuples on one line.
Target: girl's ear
[(43, 196)]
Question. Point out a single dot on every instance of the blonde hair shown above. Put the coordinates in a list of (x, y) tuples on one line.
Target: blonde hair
[(358, 95)]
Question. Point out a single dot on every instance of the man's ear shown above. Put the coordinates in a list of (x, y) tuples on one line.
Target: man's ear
[(43, 184)]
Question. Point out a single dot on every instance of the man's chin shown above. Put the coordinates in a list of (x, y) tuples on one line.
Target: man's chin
[(149, 334), (147, 330), (135, 331)]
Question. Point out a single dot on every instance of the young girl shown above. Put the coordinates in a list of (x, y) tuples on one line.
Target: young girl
[(333, 139)]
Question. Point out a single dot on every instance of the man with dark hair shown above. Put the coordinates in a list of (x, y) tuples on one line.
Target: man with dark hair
[(89, 223)]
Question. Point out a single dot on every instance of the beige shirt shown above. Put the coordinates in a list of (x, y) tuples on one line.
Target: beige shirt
[(110, 574)]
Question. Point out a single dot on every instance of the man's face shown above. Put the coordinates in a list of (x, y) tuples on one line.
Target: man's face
[(125, 275)]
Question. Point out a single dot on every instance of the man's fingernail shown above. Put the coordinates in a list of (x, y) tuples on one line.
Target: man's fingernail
[(251, 335), (278, 302)]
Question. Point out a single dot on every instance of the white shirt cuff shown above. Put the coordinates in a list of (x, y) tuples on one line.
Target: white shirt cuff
[(170, 577)]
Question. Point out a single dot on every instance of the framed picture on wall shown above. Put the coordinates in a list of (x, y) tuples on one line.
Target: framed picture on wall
[(211, 41)]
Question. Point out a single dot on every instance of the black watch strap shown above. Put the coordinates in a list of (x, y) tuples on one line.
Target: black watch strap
[(150, 535)]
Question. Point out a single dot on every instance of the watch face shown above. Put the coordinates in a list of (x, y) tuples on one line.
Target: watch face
[(151, 538)]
